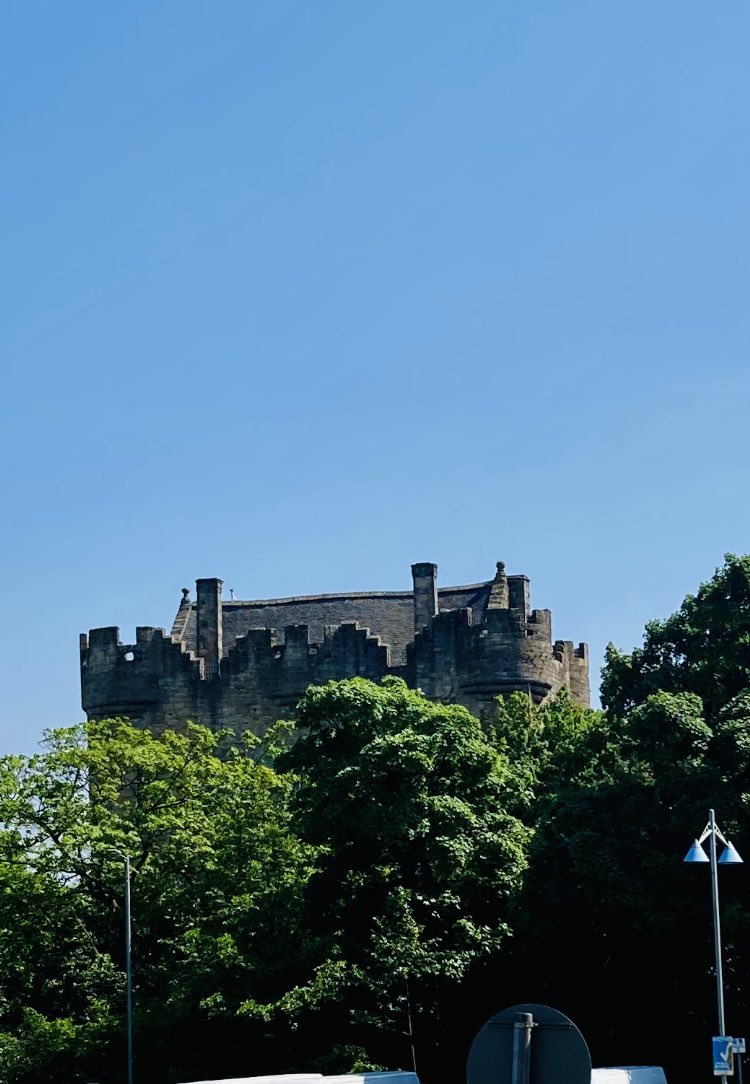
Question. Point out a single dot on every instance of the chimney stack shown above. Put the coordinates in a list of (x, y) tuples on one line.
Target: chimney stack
[(209, 624), (425, 594)]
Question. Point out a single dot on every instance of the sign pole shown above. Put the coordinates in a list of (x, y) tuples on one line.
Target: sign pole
[(522, 1025)]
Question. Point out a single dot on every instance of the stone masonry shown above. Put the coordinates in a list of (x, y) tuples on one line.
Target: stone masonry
[(244, 665)]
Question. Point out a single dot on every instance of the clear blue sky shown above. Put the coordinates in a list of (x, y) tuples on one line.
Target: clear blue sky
[(297, 293)]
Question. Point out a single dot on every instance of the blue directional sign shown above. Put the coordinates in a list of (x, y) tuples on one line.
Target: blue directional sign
[(723, 1049), (738, 1045)]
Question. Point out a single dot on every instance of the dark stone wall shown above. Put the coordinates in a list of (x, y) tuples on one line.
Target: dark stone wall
[(158, 683), (467, 656)]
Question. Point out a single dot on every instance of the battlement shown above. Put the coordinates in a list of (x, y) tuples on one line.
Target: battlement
[(244, 664), (125, 679)]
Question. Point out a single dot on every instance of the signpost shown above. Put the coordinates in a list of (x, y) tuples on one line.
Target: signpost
[(529, 1044), (738, 1046), (723, 1053), (724, 1048)]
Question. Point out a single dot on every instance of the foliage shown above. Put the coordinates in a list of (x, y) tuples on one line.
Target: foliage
[(703, 649), (605, 864), (547, 745), (405, 800), (216, 884)]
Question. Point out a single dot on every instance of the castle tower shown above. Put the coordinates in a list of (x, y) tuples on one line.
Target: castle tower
[(245, 664)]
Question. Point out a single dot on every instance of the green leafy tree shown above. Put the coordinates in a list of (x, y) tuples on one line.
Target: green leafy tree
[(610, 919), (547, 746), (216, 884), (703, 648), (418, 858)]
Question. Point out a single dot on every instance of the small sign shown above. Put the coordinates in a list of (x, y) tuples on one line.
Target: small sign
[(723, 1050), (738, 1045)]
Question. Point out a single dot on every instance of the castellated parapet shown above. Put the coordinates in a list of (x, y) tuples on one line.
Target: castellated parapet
[(243, 665)]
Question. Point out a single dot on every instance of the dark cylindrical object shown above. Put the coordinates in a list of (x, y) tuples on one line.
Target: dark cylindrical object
[(522, 1025)]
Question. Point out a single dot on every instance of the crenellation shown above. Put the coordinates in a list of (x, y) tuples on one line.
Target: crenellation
[(471, 644), (510, 621), (578, 674), (104, 639), (562, 649)]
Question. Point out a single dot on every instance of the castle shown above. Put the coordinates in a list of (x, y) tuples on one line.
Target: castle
[(244, 665)]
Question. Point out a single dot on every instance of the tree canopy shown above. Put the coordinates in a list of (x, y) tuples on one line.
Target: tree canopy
[(703, 648), (217, 879), (418, 857)]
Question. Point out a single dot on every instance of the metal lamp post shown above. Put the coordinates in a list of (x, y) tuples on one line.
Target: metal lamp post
[(128, 965), (729, 857), (129, 970)]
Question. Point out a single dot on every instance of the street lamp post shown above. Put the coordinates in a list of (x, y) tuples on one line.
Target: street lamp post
[(129, 971), (729, 857), (128, 965)]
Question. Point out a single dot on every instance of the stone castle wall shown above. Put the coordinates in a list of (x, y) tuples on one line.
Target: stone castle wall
[(467, 654)]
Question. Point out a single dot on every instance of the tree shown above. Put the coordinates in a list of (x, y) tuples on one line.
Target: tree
[(404, 800), (703, 648), (547, 746), (606, 883), (217, 879), (609, 920)]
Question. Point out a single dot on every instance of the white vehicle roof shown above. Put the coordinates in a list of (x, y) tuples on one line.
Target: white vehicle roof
[(629, 1074), (397, 1077), (287, 1078)]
